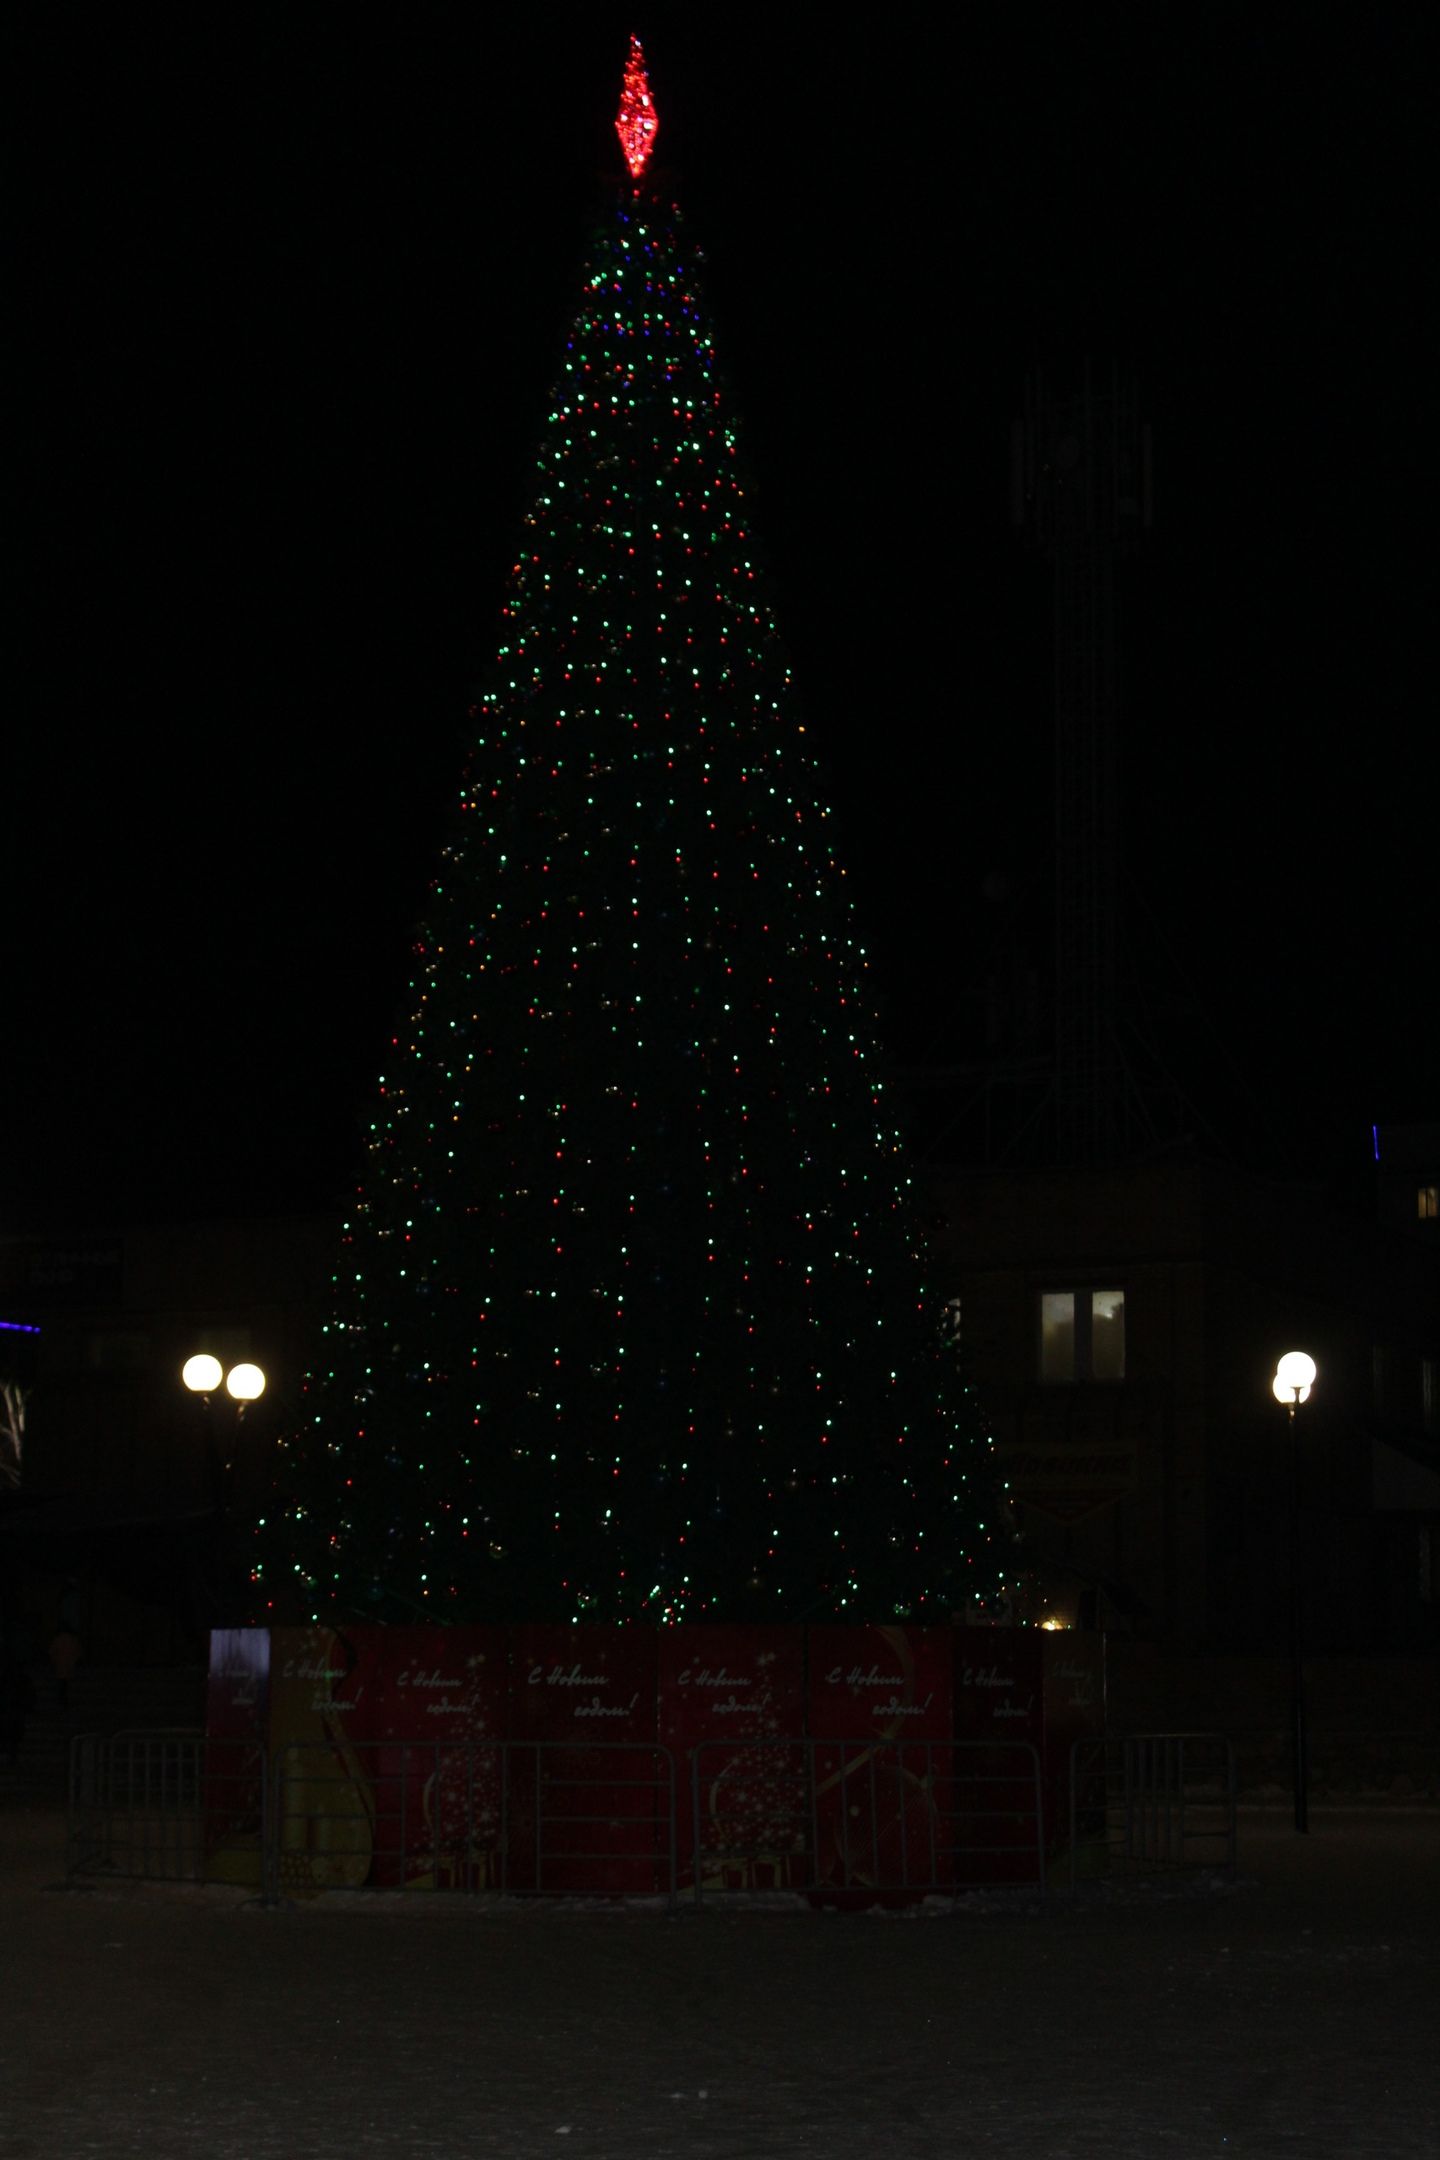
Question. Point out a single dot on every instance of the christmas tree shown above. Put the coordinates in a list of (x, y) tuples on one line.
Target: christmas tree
[(630, 1320)]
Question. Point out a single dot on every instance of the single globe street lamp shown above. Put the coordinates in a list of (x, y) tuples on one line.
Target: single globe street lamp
[(1292, 1384)]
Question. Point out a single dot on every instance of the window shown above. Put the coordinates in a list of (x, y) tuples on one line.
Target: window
[(1427, 1202), (1057, 1335), (1107, 1334), (1082, 1335)]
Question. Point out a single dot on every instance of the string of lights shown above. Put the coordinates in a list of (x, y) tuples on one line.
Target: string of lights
[(631, 1321)]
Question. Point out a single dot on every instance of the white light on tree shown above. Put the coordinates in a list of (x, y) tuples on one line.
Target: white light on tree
[(202, 1374), (245, 1382)]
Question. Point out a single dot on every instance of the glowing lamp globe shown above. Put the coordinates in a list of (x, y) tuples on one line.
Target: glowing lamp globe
[(245, 1382), (203, 1374), (1294, 1377)]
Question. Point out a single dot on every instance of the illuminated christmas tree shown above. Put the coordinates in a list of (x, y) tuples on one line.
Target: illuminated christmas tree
[(630, 1322)]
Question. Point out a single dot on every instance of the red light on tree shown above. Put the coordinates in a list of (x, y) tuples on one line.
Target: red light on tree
[(636, 123)]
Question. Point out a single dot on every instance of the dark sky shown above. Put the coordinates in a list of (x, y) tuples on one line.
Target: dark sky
[(291, 287)]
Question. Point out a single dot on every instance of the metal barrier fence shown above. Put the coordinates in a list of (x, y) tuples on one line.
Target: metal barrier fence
[(1152, 1801), (168, 1806), (844, 1818), (517, 1817), (830, 1819), (524, 1818)]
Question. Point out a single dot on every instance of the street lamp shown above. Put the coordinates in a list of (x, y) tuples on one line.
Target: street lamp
[(202, 1374), (244, 1383), (1294, 1379)]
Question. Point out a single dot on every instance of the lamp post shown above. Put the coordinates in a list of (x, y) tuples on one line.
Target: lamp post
[(1294, 1378), (243, 1383)]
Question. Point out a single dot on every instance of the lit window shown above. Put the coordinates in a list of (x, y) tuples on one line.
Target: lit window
[(1107, 1334), (1082, 1335), (1427, 1202), (1057, 1335)]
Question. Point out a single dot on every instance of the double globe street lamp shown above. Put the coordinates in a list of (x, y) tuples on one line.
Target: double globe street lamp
[(244, 1383), (202, 1374), (1294, 1378), (1293, 1381)]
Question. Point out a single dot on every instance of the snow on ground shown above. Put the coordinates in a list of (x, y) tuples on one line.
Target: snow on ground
[(1295, 2013)]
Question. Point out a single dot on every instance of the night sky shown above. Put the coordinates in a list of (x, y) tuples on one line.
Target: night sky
[(291, 289)]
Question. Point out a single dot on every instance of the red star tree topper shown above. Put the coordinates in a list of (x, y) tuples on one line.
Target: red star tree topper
[(636, 123)]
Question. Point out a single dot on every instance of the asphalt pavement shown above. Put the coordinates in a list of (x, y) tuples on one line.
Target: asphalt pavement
[(1293, 2013)]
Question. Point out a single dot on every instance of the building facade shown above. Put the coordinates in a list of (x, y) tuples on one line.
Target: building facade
[(1122, 1327)]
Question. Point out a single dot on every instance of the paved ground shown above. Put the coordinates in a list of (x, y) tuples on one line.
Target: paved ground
[(1296, 2015)]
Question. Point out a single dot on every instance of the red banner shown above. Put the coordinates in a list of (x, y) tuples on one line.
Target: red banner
[(439, 1713), (875, 1761), (999, 1701), (743, 1808), (880, 1715), (999, 1687), (237, 1691), (322, 1685), (236, 1713), (1073, 1668), (588, 1805)]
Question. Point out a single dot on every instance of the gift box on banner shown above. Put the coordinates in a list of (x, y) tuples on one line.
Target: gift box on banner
[(880, 1720), (732, 1714), (232, 1795), (431, 1733), (999, 1730), (323, 1687), (588, 1801)]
